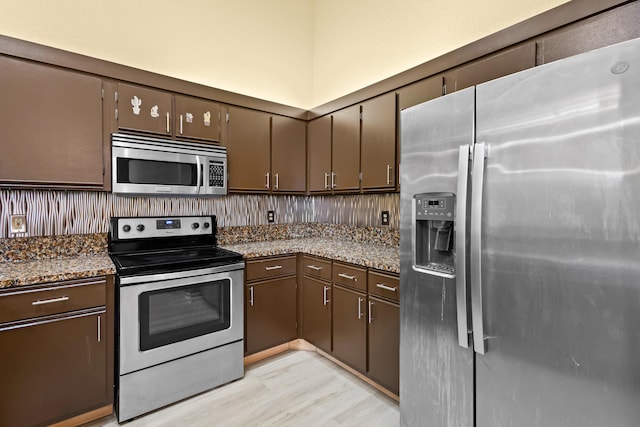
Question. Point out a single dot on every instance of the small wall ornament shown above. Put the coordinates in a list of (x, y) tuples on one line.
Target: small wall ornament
[(135, 104), (154, 111), (207, 118)]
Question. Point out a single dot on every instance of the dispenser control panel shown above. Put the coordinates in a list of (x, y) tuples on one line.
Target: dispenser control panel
[(438, 208)]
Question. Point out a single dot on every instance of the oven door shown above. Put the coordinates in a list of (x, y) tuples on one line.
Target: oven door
[(162, 320)]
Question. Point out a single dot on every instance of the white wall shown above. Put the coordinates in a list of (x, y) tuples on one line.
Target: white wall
[(297, 52)]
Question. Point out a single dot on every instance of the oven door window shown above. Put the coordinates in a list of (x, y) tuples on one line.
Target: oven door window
[(155, 172), (172, 315)]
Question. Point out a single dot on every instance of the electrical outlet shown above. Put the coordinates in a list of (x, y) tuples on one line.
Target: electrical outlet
[(18, 223), (271, 216), (385, 218)]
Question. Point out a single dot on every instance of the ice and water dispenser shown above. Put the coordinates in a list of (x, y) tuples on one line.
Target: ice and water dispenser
[(433, 233)]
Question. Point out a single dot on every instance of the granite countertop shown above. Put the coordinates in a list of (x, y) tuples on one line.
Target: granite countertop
[(32, 272), (380, 257)]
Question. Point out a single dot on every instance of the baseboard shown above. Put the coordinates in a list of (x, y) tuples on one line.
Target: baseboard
[(86, 417), (303, 345)]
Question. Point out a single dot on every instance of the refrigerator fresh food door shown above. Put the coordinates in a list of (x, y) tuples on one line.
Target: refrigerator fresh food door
[(436, 372), (560, 244)]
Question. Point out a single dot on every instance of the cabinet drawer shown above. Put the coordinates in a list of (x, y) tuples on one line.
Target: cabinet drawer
[(349, 275), (384, 285), (316, 267), (23, 303), (270, 267)]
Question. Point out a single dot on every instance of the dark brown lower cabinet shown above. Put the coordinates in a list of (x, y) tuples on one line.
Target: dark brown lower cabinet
[(316, 312), (271, 313), (350, 327), (384, 343), (52, 368)]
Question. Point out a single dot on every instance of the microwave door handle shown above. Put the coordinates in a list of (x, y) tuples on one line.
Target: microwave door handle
[(198, 174)]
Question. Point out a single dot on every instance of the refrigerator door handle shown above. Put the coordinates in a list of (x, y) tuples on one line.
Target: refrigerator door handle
[(461, 244), (477, 180)]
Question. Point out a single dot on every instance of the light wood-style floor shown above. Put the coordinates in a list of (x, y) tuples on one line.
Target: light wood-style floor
[(296, 388)]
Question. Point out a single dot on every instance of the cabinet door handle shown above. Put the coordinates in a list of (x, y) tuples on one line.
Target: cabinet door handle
[(49, 301), (251, 296), (325, 300), (168, 127), (370, 312), (99, 328), (268, 179), (180, 124), (314, 267), (346, 276), (385, 287), (360, 307), (326, 180), (333, 180), (275, 267), (277, 181), (388, 174)]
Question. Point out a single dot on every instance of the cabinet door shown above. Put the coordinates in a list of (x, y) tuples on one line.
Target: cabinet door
[(288, 155), (52, 369), (384, 343), (345, 156), (419, 92), (350, 327), (316, 312), (379, 142), (496, 65), (51, 127), (271, 313), (319, 155), (615, 26), (197, 118), (144, 110), (248, 150)]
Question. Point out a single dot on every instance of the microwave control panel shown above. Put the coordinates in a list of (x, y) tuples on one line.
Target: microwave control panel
[(216, 174)]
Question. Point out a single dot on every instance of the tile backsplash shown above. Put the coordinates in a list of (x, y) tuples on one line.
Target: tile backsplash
[(50, 213)]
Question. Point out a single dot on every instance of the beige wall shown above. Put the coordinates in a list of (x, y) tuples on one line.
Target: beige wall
[(297, 52)]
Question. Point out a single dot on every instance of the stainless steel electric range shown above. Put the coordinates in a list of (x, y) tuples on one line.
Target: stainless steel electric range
[(180, 311)]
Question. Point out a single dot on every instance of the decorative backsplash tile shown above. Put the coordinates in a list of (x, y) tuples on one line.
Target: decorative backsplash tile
[(51, 213)]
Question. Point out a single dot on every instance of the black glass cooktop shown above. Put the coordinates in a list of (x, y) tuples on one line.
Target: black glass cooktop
[(173, 260)]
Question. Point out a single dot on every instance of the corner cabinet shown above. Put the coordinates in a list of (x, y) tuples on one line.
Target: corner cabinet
[(270, 303), (57, 357), (319, 155), (345, 156), (51, 127)]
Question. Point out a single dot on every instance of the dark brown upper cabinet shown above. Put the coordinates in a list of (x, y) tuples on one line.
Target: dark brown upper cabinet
[(615, 26), (249, 151), (420, 91), (345, 156), (144, 110), (288, 155), (319, 155), (378, 144), (51, 126), (197, 119), (499, 64)]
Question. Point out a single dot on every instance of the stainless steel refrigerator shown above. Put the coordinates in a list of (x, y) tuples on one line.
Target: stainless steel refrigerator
[(520, 249)]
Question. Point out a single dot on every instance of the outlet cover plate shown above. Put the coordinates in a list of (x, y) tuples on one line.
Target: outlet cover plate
[(18, 223), (271, 216), (385, 217)]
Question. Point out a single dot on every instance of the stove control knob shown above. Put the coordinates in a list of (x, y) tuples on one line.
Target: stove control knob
[(195, 225), (126, 228), (140, 227), (206, 225)]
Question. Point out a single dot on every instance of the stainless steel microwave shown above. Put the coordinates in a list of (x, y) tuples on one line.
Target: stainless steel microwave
[(155, 166)]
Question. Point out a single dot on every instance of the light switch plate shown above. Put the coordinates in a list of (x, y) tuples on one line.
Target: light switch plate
[(18, 223)]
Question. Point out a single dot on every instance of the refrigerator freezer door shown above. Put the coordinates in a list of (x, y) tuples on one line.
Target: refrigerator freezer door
[(436, 374), (561, 243)]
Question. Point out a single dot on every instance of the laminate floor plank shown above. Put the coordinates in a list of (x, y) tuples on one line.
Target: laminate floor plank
[(296, 388)]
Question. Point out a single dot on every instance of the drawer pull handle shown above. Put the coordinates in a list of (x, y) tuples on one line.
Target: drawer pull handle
[(325, 299), (49, 301), (275, 267), (314, 267), (385, 287), (346, 276), (360, 308), (370, 312), (251, 296)]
